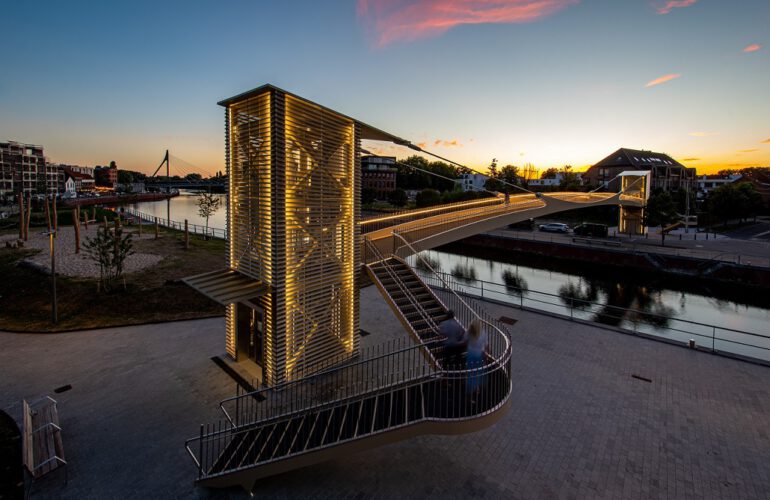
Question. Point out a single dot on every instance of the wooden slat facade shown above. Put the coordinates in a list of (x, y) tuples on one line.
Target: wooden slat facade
[(293, 207)]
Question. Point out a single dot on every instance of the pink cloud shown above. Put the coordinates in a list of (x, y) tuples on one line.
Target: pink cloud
[(663, 79), (454, 143), (753, 47), (389, 21), (673, 4)]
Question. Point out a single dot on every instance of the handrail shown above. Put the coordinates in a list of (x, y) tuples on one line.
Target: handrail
[(453, 292), (626, 309), (214, 232), (370, 247)]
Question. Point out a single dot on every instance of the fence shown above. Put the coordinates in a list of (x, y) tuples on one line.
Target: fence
[(637, 244), (213, 232), (714, 338)]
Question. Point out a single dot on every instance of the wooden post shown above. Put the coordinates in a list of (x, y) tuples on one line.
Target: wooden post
[(76, 225), (55, 216), (186, 236), (47, 214), (85, 218), (22, 216), (117, 220), (93, 213), (157, 229), (106, 224), (29, 214)]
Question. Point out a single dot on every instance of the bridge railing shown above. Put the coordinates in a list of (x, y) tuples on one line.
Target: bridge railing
[(376, 222), (211, 232)]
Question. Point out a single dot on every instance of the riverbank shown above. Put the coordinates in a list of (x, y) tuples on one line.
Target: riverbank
[(642, 258), (118, 199)]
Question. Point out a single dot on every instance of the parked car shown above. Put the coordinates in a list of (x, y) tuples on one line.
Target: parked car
[(554, 227), (589, 229)]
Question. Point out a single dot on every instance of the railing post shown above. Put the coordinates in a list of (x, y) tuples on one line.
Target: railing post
[(713, 338), (200, 453)]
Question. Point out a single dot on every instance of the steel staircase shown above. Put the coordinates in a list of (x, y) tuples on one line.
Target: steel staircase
[(390, 393)]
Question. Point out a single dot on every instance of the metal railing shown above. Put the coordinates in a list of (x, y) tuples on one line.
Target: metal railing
[(637, 244), (377, 222), (713, 338), (212, 232), (455, 391)]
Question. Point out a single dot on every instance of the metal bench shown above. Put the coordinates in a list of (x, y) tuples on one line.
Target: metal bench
[(43, 449)]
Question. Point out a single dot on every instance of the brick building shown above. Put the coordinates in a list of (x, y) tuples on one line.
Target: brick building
[(666, 173), (23, 168), (106, 176), (378, 173)]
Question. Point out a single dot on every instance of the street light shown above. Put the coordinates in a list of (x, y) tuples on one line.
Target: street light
[(52, 245)]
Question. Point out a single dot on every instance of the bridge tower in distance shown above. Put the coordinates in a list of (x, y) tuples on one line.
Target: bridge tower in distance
[(635, 184)]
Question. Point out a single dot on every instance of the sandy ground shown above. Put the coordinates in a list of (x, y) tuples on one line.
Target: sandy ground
[(68, 263)]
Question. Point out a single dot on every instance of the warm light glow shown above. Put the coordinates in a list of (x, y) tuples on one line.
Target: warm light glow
[(752, 48), (663, 79)]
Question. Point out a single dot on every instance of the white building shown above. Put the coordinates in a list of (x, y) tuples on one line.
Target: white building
[(554, 181), (472, 182), (708, 183)]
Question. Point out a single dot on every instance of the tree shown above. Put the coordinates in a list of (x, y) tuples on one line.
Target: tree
[(427, 198), (569, 180), (549, 173), (398, 197), (193, 177), (660, 211), (368, 195), (734, 201), (109, 248), (208, 204)]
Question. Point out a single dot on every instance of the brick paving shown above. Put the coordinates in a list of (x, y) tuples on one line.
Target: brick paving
[(580, 425)]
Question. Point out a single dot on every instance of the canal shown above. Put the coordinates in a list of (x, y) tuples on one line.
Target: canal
[(183, 207), (733, 319)]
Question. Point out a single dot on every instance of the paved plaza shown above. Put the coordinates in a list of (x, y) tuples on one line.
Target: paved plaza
[(580, 426)]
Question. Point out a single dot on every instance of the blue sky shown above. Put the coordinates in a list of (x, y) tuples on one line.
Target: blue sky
[(550, 82)]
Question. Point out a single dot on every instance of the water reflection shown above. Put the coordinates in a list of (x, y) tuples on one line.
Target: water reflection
[(600, 294), (515, 283)]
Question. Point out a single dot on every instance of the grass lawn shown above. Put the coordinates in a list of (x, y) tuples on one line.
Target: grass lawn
[(154, 294)]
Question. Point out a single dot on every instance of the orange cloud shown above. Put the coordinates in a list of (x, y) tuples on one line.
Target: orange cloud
[(454, 143), (703, 134), (752, 48), (673, 4), (747, 150), (422, 145), (663, 79), (690, 159), (766, 141), (389, 21)]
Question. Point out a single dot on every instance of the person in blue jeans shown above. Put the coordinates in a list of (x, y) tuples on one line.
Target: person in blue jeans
[(477, 345), (455, 338)]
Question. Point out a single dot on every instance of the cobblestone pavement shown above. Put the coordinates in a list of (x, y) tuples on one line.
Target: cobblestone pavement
[(580, 426)]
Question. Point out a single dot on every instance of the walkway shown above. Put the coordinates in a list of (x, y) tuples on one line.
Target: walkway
[(580, 426)]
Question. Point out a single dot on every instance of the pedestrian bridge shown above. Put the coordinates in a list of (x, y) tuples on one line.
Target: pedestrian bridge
[(435, 226)]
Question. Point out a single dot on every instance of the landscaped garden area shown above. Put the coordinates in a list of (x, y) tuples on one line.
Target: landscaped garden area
[(149, 291)]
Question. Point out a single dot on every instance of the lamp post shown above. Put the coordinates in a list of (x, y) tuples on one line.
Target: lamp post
[(52, 246)]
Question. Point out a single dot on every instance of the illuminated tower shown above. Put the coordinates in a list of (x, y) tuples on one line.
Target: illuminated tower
[(293, 203), (634, 184)]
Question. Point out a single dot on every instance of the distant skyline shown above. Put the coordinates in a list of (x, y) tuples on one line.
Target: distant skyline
[(547, 82)]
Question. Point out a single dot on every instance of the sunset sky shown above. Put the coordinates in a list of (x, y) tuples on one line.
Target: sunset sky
[(548, 82)]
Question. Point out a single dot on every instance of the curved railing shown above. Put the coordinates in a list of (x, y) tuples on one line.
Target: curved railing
[(450, 394)]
